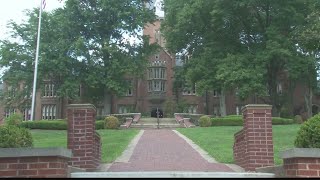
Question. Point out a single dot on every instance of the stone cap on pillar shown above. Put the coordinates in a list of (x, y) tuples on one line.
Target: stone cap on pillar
[(81, 106), (256, 106), (300, 152)]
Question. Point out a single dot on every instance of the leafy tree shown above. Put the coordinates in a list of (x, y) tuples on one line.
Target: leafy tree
[(243, 45), (82, 43)]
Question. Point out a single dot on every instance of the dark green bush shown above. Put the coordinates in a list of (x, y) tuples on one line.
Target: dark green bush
[(14, 119), (111, 122), (238, 121), (45, 124), (53, 124), (227, 121), (204, 121), (298, 119), (99, 124), (308, 135), (15, 137), (281, 121)]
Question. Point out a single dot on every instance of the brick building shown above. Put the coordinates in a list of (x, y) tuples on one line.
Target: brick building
[(151, 92)]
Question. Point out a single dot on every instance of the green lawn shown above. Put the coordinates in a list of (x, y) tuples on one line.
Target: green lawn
[(114, 142), (218, 141)]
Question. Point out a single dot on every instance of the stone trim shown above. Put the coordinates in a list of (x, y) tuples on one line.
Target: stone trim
[(81, 106), (35, 152), (300, 152), (256, 106)]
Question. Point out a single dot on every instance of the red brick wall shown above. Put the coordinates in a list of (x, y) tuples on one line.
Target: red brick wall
[(82, 138), (29, 167), (302, 167), (253, 146)]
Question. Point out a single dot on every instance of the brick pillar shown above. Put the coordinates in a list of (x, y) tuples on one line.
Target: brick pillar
[(257, 128), (81, 135)]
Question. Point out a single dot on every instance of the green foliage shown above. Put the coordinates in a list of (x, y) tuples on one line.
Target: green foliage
[(235, 120), (111, 122), (99, 124), (204, 121), (14, 137), (58, 124), (309, 133), (14, 119), (45, 124), (88, 30), (280, 121), (298, 119), (243, 51), (169, 108)]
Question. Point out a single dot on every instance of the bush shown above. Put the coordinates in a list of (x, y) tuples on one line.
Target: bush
[(45, 124), (308, 135), (15, 137), (227, 121), (14, 119), (298, 119), (99, 124), (204, 121), (53, 124), (238, 121), (281, 121), (111, 122)]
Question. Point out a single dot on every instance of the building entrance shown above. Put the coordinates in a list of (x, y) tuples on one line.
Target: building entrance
[(154, 113)]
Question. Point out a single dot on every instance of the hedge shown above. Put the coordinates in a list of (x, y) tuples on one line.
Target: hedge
[(53, 124), (237, 121)]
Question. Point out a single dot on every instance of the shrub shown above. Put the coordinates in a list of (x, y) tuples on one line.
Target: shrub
[(298, 119), (53, 124), (227, 121), (45, 124), (99, 124), (309, 133), (238, 121), (14, 119), (111, 122), (15, 137), (281, 121), (204, 121)]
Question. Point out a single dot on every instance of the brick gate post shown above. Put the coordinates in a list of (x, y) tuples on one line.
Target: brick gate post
[(257, 127), (82, 137)]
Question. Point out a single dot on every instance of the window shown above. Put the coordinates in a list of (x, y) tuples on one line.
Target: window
[(49, 90), (27, 92), (9, 111), (26, 114), (189, 90), (129, 90), (216, 110), (192, 109), (279, 88), (157, 78), (122, 109), (49, 111), (11, 92), (216, 93)]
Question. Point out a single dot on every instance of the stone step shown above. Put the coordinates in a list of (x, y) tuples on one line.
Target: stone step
[(154, 125), (171, 174)]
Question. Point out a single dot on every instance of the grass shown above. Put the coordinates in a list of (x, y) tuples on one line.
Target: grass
[(114, 142), (218, 141)]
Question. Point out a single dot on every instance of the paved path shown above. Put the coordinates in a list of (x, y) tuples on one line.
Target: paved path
[(165, 150)]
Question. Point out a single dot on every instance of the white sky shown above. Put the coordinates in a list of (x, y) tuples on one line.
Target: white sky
[(14, 9)]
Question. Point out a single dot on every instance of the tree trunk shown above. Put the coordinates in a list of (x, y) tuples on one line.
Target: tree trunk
[(222, 102), (308, 101)]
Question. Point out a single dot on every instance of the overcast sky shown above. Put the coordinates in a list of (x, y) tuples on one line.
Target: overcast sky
[(14, 9)]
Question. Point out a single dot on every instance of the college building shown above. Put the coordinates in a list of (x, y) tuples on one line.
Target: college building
[(150, 93)]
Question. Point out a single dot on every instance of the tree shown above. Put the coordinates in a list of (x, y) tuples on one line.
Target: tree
[(237, 44), (83, 43)]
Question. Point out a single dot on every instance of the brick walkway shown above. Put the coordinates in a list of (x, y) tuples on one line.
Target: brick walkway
[(164, 150)]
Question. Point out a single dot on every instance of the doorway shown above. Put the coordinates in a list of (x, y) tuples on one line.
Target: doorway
[(154, 113)]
